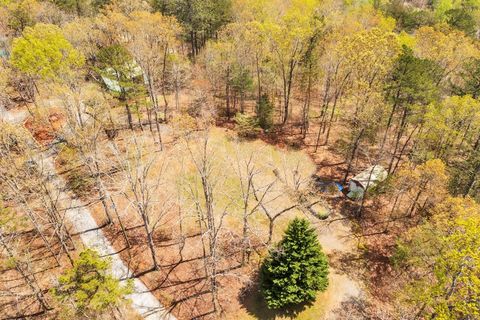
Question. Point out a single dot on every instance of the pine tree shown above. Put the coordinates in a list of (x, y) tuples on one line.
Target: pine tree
[(88, 288), (265, 112), (247, 126), (296, 270), (116, 65)]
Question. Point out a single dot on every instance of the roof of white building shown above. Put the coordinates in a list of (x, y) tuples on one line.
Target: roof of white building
[(371, 176)]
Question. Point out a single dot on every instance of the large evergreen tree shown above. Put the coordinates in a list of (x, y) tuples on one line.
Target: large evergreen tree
[(296, 269), (265, 112)]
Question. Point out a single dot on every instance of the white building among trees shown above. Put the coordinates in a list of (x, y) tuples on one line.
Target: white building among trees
[(366, 179)]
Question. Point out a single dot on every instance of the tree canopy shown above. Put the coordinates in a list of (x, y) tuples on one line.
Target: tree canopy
[(444, 251), (89, 288), (43, 52)]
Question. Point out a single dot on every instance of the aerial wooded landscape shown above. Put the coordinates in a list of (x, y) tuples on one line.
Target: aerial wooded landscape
[(240, 159)]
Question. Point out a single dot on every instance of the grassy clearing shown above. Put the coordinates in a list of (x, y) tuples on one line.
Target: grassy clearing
[(175, 191), (176, 182)]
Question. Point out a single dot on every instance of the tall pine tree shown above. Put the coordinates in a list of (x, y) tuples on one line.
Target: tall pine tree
[(265, 112), (296, 269)]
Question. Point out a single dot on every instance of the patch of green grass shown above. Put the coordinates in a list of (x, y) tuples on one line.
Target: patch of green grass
[(228, 160)]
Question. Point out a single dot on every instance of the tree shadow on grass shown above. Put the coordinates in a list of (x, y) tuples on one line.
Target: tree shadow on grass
[(252, 300)]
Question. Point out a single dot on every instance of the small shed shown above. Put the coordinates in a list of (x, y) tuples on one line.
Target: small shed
[(364, 180), (110, 79), (3, 47)]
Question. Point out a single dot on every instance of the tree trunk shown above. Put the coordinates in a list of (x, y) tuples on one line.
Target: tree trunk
[(192, 43), (259, 93), (389, 122), (271, 225), (160, 142), (124, 233), (399, 137), (242, 102), (227, 93), (102, 192), (352, 155), (402, 151), (331, 120), (306, 108), (129, 116), (151, 245), (287, 89), (164, 84), (177, 97)]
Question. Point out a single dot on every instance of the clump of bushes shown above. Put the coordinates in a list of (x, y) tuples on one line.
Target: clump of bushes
[(247, 126), (265, 113), (251, 126)]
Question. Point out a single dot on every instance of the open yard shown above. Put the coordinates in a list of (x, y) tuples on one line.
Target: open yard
[(258, 188)]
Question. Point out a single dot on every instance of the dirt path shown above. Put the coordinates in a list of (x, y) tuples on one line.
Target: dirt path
[(334, 237), (80, 217)]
